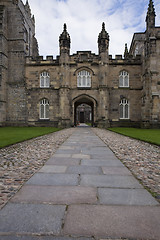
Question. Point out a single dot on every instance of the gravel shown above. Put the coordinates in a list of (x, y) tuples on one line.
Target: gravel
[(143, 159), (20, 161)]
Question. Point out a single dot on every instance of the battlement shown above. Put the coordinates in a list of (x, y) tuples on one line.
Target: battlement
[(41, 60), (119, 59), (82, 57)]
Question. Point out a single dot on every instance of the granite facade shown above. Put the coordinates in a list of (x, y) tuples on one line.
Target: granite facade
[(21, 82)]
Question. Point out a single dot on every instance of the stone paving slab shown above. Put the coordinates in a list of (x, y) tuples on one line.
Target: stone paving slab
[(69, 151), (79, 155), (63, 161), (115, 221), (84, 170), (53, 169), (31, 218), (109, 181), (62, 155), (66, 147), (126, 197), (56, 195), (103, 156), (102, 163), (116, 171), (53, 179), (98, 150)]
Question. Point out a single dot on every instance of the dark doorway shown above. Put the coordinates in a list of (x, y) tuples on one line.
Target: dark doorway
[(84, 112), (81, 117)]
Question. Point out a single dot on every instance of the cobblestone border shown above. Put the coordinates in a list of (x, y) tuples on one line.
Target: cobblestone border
[(143, 159), (20, 161)]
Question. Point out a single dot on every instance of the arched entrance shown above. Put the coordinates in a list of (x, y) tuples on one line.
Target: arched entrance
[(84, 108), (84, 113)]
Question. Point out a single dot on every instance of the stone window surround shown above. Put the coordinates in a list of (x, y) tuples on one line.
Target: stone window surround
[(124, 79), (124, 109), (83, 79), (44, 109), (44, 79)]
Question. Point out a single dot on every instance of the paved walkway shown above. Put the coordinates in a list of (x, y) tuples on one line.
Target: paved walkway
[(83, 192)]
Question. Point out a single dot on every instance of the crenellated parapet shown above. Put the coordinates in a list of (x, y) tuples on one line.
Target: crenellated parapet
[(120, 60), (84, 57), (40, 60)]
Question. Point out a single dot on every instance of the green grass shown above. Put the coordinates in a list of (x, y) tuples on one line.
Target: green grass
[(147, 135), (12, 135)]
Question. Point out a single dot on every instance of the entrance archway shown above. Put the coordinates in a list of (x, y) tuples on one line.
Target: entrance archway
[(84, 109), (84, 113)]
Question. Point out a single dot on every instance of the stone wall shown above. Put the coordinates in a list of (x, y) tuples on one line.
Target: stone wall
[(63, 91), (20, 69), (17, 33)]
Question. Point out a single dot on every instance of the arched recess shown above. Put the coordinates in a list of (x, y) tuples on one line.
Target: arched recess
[(84, 99), (84, 68)]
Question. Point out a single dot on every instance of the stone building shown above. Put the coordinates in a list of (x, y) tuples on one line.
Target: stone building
[(120, 91)]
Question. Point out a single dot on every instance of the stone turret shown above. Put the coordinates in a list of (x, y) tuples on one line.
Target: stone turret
[(103, 40), (64, 41), (103, 44), (150, 18), (126, 53)]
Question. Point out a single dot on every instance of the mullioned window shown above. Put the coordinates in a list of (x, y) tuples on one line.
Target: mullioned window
[(124, 109), (44, 80), (124, 79), (84, 79), (44, 109)]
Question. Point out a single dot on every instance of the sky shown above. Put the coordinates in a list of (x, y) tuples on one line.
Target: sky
[(84, 23)]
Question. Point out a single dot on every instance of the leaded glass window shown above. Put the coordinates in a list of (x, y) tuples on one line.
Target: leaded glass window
[(124, 79), (124, 109), (44, 80), (44, 109), (84, 79)]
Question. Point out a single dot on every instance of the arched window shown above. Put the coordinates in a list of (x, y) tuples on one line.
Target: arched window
[(124, 79), (124, 109), (44, 80), (84, 79), (44, 109)]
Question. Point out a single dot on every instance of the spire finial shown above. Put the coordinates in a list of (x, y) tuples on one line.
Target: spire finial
[(64, 40), (150, 18), (103, 34), (103, 26), (65, 27), (151, 9), (126, 53)]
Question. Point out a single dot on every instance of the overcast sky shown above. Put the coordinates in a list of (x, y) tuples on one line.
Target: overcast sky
[(84, 22)]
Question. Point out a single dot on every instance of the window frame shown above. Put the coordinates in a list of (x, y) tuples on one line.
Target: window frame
[(46, 79), (84, 79), (45, 104), (123, 74), (124, 105)]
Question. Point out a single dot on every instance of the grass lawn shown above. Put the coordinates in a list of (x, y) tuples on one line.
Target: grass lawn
[(12, 135), (147, 135)]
